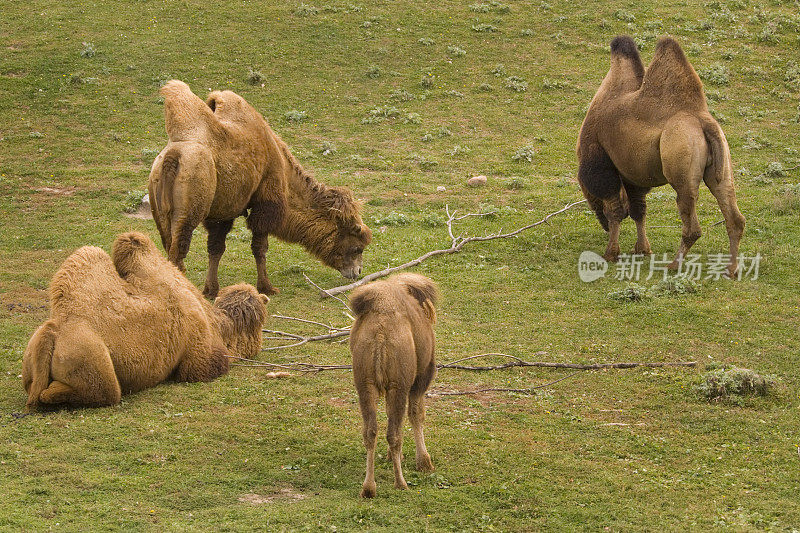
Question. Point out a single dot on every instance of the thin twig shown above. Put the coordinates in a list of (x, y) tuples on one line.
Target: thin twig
[(456, 244), (328, 293), (529, 390), (306, 321)]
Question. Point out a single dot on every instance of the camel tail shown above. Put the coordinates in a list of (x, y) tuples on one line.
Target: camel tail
[(163, 181), (379, 362), (720, 165), (36, 363)]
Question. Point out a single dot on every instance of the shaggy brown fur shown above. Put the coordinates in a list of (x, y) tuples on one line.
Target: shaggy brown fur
[(392, 344), (121, 325), (649, 128), (223, 161)]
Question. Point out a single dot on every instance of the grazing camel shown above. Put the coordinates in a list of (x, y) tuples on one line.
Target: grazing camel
[(119, 325), (647, 128), (223, 161), (392, 344)]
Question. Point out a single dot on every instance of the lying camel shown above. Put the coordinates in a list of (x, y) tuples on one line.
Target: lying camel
[(119, 325), (392, 344), (223, 161), (648, 128)]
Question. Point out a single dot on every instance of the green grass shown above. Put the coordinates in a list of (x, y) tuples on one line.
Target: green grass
[(624, 450)]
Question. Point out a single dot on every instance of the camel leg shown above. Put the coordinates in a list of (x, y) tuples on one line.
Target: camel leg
[(687, 207), (734, 220), (202, 362), (217, 231), (614, 213), (638, 210), (396, 401), (367, 402), (82, 371), (261, 220), (416, 415)]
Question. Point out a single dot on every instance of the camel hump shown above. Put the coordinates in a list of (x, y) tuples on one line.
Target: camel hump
[(186, 115), (670, 76), (624, 46)]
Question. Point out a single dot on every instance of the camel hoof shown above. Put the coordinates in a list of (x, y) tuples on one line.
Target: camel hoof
[(674, 265), (401, 486), (611, 257), (210, 293), (269, 291), (368, 491), (645, 250), (425, 464)]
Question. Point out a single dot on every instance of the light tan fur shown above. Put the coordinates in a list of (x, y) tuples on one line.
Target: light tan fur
[(392, 343), (223, 161), (647, 128), (119, 325)]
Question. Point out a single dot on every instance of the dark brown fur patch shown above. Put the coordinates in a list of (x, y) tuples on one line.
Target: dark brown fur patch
[(266, 217), (597, 172)]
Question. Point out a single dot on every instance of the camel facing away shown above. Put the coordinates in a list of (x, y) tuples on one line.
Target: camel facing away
[(223, 161), (124, 323), (392, 344), (647, 128)]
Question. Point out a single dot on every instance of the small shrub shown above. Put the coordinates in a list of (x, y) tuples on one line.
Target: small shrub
[(456, 51), (432, 220), (549, 83), (775, 170), (527, 32), (525, 153), (499, 70), (374, 72), (36, 135), (305, 10), (787, 201), (674, 286), (716, 74), (727, 382), (480, 8), (327, 148), (427, 80), (624, 16), (792, 75), (460, 150), (88, 50), (401, 95), (149, 155), (515, 184), (454, 93), (426, 41), (517, 84), (132, 201), (426, 164), (485, 87), (485, 28), (295, 116), (443, 131), (633, 292), (392, 219), (255, 77), (412, 118), (427, 138)]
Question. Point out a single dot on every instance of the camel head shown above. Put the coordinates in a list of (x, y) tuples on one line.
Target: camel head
[(243, 312), (343, 247)]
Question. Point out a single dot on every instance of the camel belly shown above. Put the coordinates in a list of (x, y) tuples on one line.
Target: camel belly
[(635, 152), (237, 180)]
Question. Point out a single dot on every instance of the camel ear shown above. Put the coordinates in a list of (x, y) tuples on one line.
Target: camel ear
[(212, 103), (264, 298)]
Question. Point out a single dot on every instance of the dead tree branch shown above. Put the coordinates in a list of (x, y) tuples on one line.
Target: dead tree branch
[(516, 361), (437, 392), (456, 244)]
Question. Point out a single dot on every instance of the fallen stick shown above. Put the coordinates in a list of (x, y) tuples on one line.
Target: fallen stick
[(433, 393), (457, 242)]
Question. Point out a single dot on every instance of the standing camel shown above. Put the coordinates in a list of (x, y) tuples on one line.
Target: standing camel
[(223, 161), (647, 128)]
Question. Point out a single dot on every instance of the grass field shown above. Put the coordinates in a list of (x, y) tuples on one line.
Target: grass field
[(395, 99)]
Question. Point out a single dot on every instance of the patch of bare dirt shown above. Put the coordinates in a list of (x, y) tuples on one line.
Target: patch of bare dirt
[(57, 191), (283, 495), (143, 213)]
